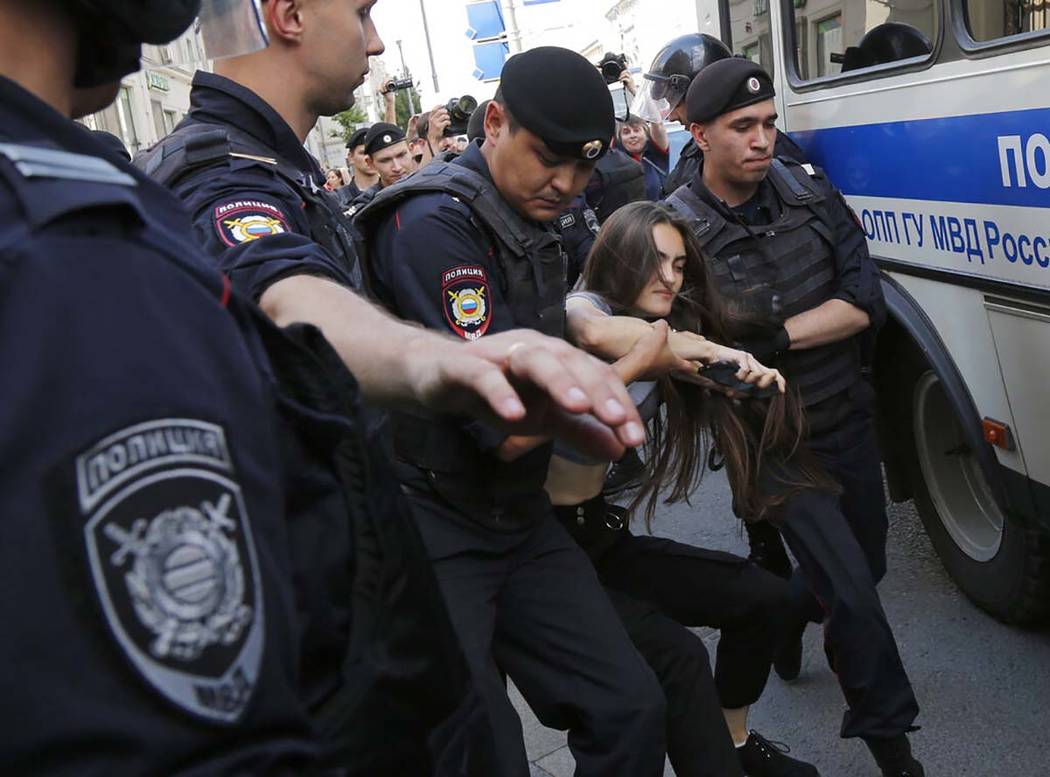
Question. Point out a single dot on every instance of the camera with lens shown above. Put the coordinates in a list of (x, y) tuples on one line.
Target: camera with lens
[(460, 109), (396, 85), (612, 67)]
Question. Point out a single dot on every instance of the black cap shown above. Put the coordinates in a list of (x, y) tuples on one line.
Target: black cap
[(382, 135), (726, 85), (476, 125), (559, 96), (357, 139)]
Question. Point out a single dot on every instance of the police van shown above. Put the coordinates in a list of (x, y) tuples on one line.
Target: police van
[(933, 117)]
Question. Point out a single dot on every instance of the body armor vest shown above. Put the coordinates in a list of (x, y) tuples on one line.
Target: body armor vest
[(195, 146), (530, 273), (775, 271)]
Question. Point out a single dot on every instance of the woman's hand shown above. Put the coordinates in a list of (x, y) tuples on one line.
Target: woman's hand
[(751, 370)]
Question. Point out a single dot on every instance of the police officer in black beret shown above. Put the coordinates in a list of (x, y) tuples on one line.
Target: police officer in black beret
[(663, 91), (363, 175), (463, 248), (789, 255), (386, 149)]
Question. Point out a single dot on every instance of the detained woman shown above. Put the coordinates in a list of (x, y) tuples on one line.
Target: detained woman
[(645, 269)]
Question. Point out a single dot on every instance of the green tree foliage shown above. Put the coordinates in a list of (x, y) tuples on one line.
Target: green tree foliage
[(349, 119), (406, 105)]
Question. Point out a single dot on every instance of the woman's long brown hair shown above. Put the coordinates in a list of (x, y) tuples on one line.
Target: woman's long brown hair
[(759, 439)]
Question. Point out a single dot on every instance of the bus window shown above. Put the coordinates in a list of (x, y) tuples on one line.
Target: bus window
[(749, 22), (838, 36), (989, 20)]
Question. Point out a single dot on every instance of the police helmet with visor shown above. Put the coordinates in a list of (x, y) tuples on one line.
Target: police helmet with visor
[(675, 66)]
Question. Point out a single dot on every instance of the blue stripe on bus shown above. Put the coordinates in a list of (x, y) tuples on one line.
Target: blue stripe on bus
[(952, 159)]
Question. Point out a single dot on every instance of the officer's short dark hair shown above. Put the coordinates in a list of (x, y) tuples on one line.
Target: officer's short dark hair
[(512, 122)]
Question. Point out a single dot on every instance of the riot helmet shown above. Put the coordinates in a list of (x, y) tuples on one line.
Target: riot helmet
[(671, 72)]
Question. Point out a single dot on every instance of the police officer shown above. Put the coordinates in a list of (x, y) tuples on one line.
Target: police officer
[(462, 249), (786, 251), (387, 151), (149, 488), (663, 97), (364, 175), (577, 225), (242, 169)]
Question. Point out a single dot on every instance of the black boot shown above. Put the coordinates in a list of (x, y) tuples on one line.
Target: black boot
[(788, 661), (894, 757), (767, 548), (761, 758)]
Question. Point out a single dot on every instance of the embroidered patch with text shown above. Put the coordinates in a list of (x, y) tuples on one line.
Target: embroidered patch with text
[(173, 561), (466, 300), (242, 221)]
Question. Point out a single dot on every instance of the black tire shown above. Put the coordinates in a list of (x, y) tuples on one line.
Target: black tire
[(1004, 569)]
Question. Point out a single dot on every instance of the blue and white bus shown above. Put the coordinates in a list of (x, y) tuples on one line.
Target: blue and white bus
[(933, 117)]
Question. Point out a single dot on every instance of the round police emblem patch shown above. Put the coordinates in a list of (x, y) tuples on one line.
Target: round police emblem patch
[(753, 85), (242, 221), (465, 299), (387, 139), (173, 561)]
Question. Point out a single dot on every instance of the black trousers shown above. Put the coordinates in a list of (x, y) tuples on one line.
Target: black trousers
[(659, 587), (527, 601), (840, 544)]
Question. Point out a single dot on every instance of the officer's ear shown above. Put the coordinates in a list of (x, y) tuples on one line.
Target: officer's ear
[(496, 118), (284, 19), (699, 133)]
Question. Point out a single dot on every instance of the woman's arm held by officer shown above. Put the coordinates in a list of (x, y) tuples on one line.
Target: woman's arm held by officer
[(649, 354), (612, 337), (398, 364)]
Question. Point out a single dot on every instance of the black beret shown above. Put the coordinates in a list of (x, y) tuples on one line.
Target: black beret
[(476, 125), (559, 96), (357, 139), (382, 135), (726, 85)]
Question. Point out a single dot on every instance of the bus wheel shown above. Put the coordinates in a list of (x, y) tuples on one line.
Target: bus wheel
[(1002, 565)]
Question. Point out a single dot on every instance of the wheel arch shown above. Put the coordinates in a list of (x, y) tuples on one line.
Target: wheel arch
[(909, 330)]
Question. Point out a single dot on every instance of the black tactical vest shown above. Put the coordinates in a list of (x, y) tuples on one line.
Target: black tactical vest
[(196, 146), (779, 270), (531, 277)]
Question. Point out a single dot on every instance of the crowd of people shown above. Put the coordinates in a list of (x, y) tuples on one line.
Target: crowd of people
[(302, 466)]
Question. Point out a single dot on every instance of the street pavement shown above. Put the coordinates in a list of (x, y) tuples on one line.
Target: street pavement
[(983, 687)]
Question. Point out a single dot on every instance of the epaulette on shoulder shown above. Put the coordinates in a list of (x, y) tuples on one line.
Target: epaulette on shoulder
[(810, 169), (36, 162)]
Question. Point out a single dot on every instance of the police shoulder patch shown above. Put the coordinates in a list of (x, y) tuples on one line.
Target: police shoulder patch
[(466, 300), (173, 562), (244, 220)]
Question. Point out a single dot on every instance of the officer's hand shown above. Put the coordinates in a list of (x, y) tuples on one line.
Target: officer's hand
[(528, 383), (439, 121)]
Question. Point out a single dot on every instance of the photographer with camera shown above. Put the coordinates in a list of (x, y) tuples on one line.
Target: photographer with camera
[(439, 129)]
